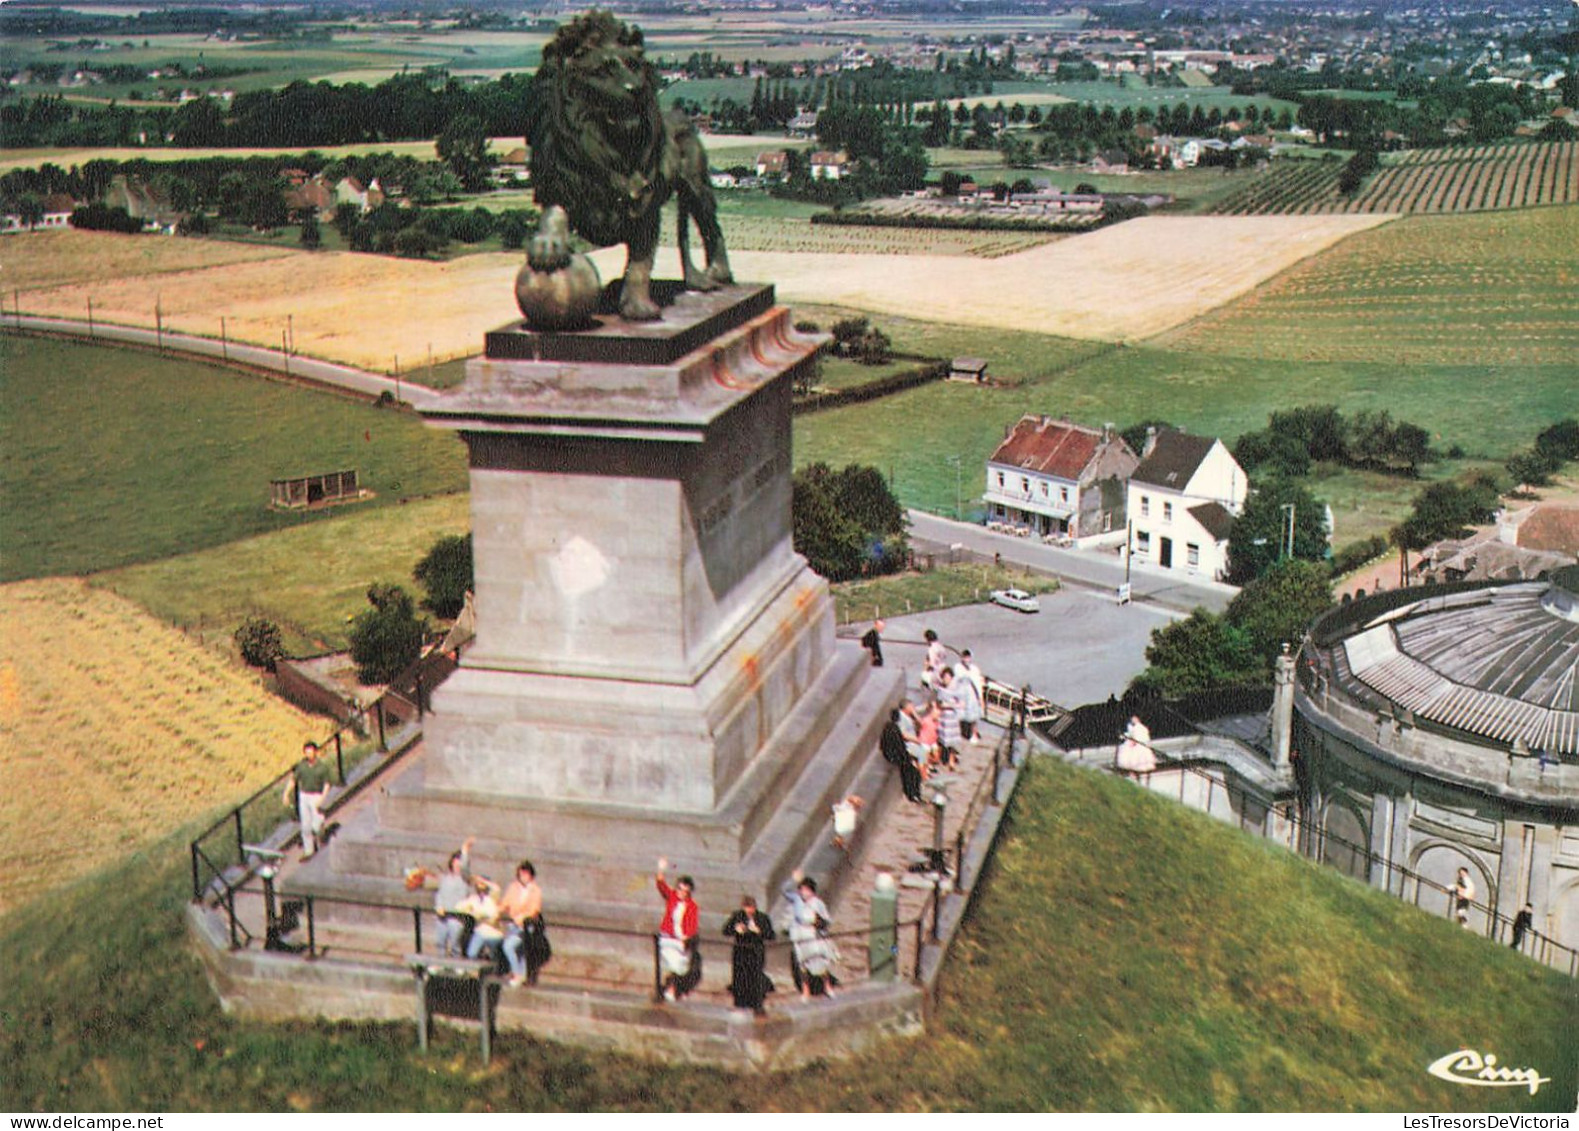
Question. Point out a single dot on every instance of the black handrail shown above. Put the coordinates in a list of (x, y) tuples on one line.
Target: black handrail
[(413, 675)]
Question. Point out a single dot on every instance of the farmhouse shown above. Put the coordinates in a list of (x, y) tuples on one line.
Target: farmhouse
[(351, 191), (829, 165), (1183, 499), (58, 208), (1055, 478), (315, 196), (515, 167), (772, 163)]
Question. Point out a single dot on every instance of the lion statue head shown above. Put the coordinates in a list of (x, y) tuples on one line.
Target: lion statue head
[(604, 152)]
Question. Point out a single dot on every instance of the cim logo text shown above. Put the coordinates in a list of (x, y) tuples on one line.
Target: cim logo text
[(1466, 1066)]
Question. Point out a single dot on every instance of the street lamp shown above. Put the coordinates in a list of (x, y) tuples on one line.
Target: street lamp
[(955, 460), (1289, 509)]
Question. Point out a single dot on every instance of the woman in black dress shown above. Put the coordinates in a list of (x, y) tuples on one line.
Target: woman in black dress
[(751, 931)]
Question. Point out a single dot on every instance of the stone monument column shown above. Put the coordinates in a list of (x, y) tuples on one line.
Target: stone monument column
[(655, 669)]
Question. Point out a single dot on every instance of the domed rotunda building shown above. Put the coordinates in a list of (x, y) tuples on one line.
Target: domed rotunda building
[(1439, 729)]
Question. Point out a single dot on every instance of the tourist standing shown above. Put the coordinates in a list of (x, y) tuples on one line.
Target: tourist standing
[(873, 641), (1135, 754), (310, 778), (951, 708), (910, 766), (751, 931), (813, 954), (936, 658), (677, 957), (1522, 922), (454, 886), (970, 723), (1463, 896), (526, 946)]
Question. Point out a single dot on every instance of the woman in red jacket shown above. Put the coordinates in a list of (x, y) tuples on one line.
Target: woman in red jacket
[(678, 959)]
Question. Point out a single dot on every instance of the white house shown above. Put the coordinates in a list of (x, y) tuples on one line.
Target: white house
[(829, 165), (772, 163), (1182, 502), (1055, 478)]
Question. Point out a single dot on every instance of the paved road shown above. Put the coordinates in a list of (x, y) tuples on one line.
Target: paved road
[(1100, 569), (1082, 647), (297, 368)]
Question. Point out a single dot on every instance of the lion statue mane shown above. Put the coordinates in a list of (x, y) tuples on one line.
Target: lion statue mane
[(604, 152)]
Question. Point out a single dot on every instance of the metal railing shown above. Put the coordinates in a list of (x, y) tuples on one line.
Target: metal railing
[(305, 916), (912, 937), (261, 822), (1312, 842)]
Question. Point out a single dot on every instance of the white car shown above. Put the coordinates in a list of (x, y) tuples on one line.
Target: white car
[(1016, 599)]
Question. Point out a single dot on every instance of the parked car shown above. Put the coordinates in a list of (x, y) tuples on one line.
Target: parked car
[(1016, 599)]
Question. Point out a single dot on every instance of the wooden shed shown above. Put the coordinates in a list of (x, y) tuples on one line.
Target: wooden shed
[(315, 490)]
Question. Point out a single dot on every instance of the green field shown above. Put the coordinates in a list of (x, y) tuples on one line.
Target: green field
[(309, 579), (1122, 955), (115, 456), (360, 55), (1494, 289)]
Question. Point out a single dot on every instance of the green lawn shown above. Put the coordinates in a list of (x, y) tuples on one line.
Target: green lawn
[(116, 456), (309, 579), (942, 587), (1122, 955), (1496, 291)]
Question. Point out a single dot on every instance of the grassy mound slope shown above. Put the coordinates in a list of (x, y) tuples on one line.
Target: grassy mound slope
[(1124, 954)]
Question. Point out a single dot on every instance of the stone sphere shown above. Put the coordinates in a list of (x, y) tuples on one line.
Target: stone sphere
[(561, 299)]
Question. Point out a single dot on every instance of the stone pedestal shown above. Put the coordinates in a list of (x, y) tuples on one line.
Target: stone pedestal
[(655, 670)]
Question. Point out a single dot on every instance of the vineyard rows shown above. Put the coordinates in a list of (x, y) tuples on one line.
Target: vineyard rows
[(1456, 179)]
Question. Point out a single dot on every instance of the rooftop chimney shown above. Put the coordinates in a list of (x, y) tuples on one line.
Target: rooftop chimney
[(1151, 441)]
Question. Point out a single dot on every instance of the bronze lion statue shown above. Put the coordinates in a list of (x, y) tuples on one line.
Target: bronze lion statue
[(605, 153)]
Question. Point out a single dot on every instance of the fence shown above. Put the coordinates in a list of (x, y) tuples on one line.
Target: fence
[(896, 954), (1304, 837), (263, 826)]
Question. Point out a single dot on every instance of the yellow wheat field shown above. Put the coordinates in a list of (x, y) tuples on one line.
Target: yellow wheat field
[(116, 729), (1128, 281), (1123, 282), (31, 260)]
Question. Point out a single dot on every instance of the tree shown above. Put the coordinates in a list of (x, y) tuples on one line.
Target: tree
[(832, 543), (445, 571), (1135, 434), (1442, 510), (1278, 606), (260, 643), (1260, 534), (1560, 441), (30, 210), (864, 496), (387, 638), (1198, 653), (1531, 469), (1277, 452), (463, 146), (848, 522), (847, 335), (311, 236), (874, 348)]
